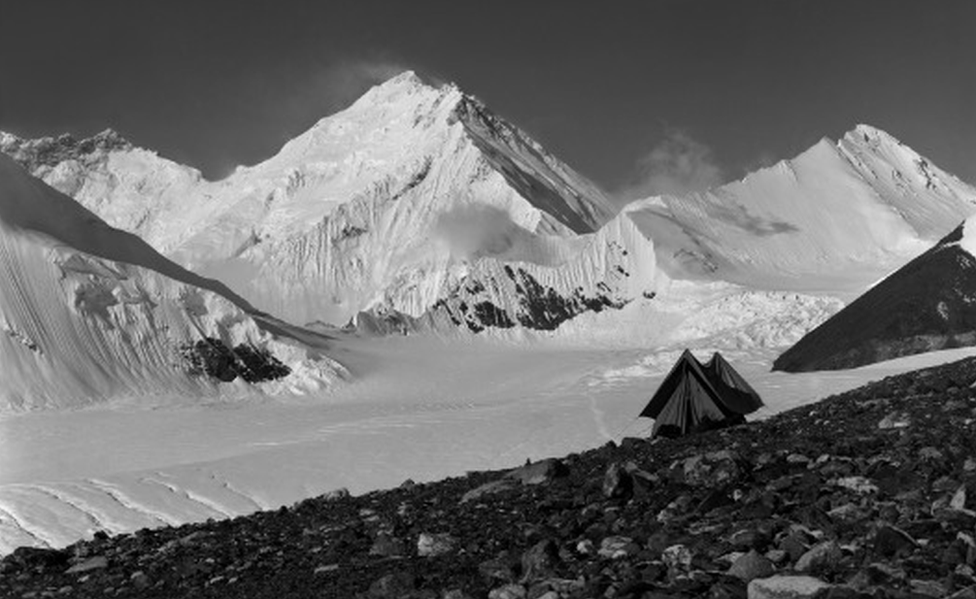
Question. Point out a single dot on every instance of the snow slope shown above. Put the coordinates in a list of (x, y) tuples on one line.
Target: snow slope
[(90, 313), (926, 305), (358, 212), (423, 411), (839, 215)]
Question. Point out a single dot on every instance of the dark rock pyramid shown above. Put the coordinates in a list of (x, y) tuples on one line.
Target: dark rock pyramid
[(927, 305)]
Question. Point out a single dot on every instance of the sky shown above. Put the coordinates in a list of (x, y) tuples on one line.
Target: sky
[(648, 96)]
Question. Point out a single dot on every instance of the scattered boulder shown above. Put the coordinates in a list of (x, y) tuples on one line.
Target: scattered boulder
[(540, 561), (751, 565), (536, 473), (94, 563), (821, 555), (714, 469), (617, 483), (393, 586), (786, 587), (435, 544)]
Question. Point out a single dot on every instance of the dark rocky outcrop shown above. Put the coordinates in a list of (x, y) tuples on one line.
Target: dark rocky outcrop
[(536, 306), (865, 494), (213, 358), (928, 304), (51, 151)]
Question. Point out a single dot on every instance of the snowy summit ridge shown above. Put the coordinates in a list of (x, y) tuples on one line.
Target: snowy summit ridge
[(359, 212), (418, 206)]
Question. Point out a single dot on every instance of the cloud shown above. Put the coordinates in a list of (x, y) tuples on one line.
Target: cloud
[(677, 165), (477, 230), (327, 88)]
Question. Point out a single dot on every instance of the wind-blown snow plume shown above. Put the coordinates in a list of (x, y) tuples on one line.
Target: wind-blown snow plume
[(677, 165)]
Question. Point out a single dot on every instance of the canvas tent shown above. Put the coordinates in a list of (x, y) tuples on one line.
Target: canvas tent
[(695, 397)]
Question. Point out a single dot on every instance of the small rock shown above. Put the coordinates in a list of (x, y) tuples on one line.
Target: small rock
[(713, 469), (617, 547), (539, 472), (929, 588), (434, 544), (327, 569), (890, 541), (797, 458), (386, 546), (749, 539), (540, 561), (777, 556), (677, 557), (336, 494), (751, 565), (894, 420), (139, 580), (509, 591), (821, 555), (585, 547), (617, 483), (966, 593), (785, 587), (848, 512), (489, 488), (94, 563), (958, 501), (875, 575), (930, 453), (858, 484), (393, 586)]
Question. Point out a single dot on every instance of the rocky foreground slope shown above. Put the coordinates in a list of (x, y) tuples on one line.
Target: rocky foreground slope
[(865, 494)]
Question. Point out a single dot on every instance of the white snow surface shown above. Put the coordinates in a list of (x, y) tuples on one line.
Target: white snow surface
[(836, 217), (419, 408), (342, 219), (90, 313)]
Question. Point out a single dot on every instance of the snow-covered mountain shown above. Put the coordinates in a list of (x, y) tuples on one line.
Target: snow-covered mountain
[(848, 210), (927, 305), (418, 207), (384, 205), (89, 313)]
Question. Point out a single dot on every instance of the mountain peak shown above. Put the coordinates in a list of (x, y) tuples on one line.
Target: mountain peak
[(864, 135)]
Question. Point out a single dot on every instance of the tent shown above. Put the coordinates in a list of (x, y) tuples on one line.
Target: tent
[(694, 397)]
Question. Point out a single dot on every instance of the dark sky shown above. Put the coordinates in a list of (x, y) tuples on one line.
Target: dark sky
[(617, 89)]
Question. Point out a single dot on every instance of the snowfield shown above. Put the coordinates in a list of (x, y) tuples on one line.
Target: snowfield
[(417, 407)]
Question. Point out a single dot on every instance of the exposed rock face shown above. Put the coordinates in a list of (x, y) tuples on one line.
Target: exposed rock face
[(928, 304), (37, 156), (790, 525)]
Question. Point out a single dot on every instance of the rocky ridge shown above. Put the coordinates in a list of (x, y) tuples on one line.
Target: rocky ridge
[(865, 494)]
